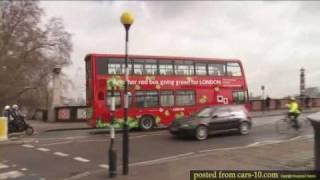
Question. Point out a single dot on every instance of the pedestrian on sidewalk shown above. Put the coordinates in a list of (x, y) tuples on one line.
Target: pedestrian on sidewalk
[(268, 99), (307, 102)]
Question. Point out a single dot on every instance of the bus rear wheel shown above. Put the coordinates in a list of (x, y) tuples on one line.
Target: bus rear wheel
[(146, 123)]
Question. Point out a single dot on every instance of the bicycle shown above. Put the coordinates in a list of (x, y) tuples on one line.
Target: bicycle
[(286, 125)]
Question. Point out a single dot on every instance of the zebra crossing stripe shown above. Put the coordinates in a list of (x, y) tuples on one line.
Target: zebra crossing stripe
[(105, 166), (11, 174), (2, 166), (81, 159), (43, 149), (28, 146), (61, 154)]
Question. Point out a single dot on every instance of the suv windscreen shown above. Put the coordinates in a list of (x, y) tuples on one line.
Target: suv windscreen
[(204, 113)]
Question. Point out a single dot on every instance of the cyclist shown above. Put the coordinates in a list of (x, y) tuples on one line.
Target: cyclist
[(16, 111), (294, 112)]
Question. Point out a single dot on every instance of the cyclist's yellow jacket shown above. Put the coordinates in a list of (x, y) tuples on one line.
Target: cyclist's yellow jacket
[(294, 108)]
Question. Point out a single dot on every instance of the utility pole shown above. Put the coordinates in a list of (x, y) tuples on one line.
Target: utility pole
[(302, 85), (56, 89)]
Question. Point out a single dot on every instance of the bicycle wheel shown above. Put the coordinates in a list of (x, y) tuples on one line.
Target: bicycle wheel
[(303, 123), (283, 126)]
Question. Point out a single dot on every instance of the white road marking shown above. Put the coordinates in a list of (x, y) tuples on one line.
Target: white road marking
[(93, 140), (61, 154), (58, 138), (81, 159), (254, 144), (262, 143), (43, 149), (295, 138), (132, 137), (28, 146), (57, 143), (105, 166), (272, 141), (2, 166), (222, 149), (309, 136), (136, 137), (24, 169), (78, 176), (160, 159), (76, 137), (11, 174)]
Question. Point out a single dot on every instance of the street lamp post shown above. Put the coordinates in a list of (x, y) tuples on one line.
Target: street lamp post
[(112, 152), (55, 100), (126, 19), (263, 99)]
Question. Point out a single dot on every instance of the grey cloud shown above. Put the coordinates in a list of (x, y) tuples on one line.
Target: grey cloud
[(274, 39)]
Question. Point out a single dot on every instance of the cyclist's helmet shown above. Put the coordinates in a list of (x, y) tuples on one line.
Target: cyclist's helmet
[(292, 98), (15, 106), (7, 107)]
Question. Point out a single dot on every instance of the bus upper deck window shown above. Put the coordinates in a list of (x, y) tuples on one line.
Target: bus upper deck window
[(233, 69)]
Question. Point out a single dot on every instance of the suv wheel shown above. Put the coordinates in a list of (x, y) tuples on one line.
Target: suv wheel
[(244, 128), (201, 133)]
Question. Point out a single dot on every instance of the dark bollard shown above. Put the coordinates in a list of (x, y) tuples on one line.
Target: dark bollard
[(315, 122), (112, 163)]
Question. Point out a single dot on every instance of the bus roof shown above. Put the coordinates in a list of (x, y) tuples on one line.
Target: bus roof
[(162, 57)]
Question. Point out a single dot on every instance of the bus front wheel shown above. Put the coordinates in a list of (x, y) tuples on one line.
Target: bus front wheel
[(146, 123)]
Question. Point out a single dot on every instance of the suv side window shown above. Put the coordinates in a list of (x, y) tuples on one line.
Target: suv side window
[(222, 112)]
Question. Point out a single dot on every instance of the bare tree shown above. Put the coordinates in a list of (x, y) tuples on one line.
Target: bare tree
[(28, 52)]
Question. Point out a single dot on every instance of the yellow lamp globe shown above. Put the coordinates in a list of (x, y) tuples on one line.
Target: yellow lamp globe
[(127, 18)]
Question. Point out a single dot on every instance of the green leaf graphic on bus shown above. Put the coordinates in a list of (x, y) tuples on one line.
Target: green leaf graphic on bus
[(150, 78), (179, 115), (101, 124), (118, 123), (116, 82), (158, 119), (137, 87), (203, 99), (166, 113)]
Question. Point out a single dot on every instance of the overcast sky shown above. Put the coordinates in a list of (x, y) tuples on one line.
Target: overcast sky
[(273, 39)]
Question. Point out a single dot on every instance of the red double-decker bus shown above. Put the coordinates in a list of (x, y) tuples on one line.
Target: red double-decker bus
[(161, 88)]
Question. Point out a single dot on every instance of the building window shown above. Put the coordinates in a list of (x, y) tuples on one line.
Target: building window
[(216, 69), (166, 98), (165, 67), (233, 69), (147, 99), (117, 99), (185, 98), (201, 69), (184, 68)]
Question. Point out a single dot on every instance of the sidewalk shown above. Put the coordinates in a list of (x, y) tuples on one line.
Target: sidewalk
[(296, 154), (41, 126), (280, 112)]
